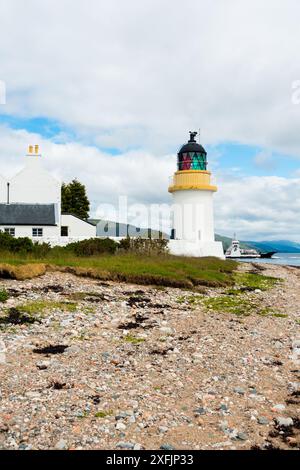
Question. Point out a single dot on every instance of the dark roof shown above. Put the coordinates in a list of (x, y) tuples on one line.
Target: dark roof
[(192, 145), (27, 214)]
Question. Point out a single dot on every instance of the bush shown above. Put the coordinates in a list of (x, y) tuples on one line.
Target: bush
[(15, 245), (41, 250), (145, 246), (93, 246), (3, 295)]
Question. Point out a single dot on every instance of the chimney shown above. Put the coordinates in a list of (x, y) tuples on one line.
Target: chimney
[(30, 149), (36, 149), (8, 185)]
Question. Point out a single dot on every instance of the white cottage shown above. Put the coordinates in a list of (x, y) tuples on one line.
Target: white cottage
[(30, 206)]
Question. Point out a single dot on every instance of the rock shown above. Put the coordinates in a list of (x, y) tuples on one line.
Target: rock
[(278, 407), (163, 429), (167, 447), (61, 445), (199, 411), (167, 330), (292, 441), (43, 365), (239, 390), (262, 420), (125, 445), (284, 422), (120, 426), (242, 436), (223, 407)]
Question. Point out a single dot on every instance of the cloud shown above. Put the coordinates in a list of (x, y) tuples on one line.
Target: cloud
[(140, 74), (136, 76), (265, 160), (259, 208), (253, 207)]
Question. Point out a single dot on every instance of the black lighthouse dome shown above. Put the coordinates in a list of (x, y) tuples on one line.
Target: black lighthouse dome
[(192, 156)]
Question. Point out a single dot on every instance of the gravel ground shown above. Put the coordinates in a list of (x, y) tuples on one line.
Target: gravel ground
[(133, 367)]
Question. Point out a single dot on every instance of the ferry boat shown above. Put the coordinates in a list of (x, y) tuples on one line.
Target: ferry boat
[(235, 251)]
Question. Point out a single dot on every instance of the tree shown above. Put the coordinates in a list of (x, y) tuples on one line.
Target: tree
[(74, 199)]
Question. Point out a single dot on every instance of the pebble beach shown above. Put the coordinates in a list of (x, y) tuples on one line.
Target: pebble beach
[(104, 365)]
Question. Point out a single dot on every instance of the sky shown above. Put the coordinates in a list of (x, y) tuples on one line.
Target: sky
[(109, 90)]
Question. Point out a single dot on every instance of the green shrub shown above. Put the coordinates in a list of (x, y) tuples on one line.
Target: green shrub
[(93, 246), (144, 246), (41, 250), (15, 245), (3, 295)]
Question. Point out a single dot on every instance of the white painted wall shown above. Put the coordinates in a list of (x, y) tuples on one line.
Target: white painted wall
[(26, 231), (34, 184), (78, 227), (193, 218), (196, 249)]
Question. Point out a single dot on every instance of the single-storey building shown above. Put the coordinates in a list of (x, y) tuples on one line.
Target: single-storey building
[(30, 206)]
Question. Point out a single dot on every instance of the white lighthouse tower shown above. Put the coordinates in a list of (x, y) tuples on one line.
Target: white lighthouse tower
[(193, 218)]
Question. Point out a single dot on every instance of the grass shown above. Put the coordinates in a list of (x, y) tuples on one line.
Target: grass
[(3, 295), (133, 339), (239, 306), (33, 308), (32, 311), (104, 414), (251, 282), (39, 307), (228, 304), (167, 270), (20, 271), (192, 300)]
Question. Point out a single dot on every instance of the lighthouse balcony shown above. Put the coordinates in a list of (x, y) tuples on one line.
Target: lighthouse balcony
[(191, 180)]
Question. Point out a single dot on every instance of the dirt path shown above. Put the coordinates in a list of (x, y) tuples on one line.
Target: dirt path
[(149, 368)]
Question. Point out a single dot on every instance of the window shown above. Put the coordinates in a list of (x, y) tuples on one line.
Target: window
[(64, 232), (10, 231), (37, 232), (192, 161)]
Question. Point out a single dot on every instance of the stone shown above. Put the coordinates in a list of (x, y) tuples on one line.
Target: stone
[(167, 447), (61, 445), (200, 411), (163, 429), (279, 407), (239, 390), (120, 426), (125, 445), (43, 365), (284, 422), (223, 407), (242, 436), (262, 420), (167, 330)]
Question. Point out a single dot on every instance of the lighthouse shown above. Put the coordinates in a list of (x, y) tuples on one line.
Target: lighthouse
[(192, 212)]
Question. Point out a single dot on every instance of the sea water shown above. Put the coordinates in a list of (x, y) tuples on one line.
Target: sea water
[(290, 259)]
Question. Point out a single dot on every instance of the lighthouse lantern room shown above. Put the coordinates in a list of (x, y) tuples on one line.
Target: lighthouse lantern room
[(193, 221)]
